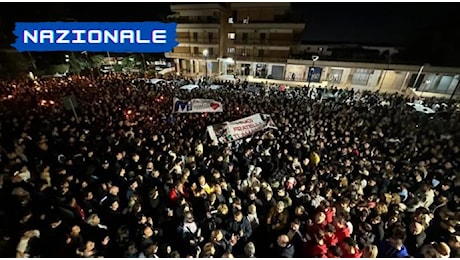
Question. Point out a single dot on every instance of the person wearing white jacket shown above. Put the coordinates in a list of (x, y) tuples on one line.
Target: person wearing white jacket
[(24, 244)]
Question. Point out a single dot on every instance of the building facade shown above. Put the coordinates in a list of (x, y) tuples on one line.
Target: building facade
[(239, 38), (260, 40), (423, 80)]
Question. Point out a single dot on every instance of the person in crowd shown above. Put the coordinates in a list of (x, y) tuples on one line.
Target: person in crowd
[(283, 248), (370, 251)]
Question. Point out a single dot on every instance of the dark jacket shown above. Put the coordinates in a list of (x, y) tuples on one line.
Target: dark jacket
[(244, 225), (415, 242), (283, 252)]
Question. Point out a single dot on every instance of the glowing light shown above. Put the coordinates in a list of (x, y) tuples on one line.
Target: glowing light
[(43, 102), (130, 112), (10, 96), (150, 118), (51, 102)]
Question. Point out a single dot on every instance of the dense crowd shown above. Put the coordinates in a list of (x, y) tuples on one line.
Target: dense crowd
[(353, 175)]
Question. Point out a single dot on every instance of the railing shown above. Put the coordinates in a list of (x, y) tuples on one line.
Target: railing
[(382, 60), (286, 43), (180, 55), (260, 58), (203, 20), (200, 41)]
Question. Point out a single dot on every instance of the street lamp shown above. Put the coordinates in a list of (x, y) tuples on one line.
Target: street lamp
[(314, 58), (205, 54)]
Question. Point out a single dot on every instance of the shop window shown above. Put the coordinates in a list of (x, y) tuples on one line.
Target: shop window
[(361, 77)]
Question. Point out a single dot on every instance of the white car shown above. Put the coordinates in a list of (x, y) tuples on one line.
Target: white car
[(215, 87), (154, 81), (189, 87)]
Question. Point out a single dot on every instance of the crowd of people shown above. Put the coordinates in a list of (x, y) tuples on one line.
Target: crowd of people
[(359, 175)]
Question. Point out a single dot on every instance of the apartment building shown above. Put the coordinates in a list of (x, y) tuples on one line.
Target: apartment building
[(251, 39)]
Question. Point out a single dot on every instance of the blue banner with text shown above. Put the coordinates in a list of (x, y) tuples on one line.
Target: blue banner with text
[(137, 37)]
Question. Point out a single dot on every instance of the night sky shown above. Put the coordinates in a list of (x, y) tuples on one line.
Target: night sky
[(376, 23), (427, 28)]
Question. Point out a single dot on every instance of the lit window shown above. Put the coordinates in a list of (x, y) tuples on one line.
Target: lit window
[(230, 20), (361, 77), (231, 50), (231, 36)]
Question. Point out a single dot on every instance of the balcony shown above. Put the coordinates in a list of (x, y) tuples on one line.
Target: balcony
[(185, 40), (184, 55), (260, 59), (199, 20), (257, 42)]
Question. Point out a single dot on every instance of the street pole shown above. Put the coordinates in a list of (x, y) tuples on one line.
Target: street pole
[(205, 54), (206, 64), (385, 73), (455, 91), (314, 58), (310, 72), (418, 75)]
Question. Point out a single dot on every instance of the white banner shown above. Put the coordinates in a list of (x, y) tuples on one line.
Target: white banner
[(197, 105), (231, 131)]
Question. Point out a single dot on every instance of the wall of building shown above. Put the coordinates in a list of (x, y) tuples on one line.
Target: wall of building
[(299, 72), (260, 13), (393, 80), (182, 49), (374, 78)]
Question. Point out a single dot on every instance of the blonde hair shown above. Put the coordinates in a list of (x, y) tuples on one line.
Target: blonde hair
[(396, 199), (223, 209), (91, 219), (370, 251), (252, 209), (216, 234), (387, 198), (344, 181), (381, 208)]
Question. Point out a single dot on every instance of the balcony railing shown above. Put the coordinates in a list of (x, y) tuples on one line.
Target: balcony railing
[(201, 19), (181, 55), (260, 58), (286, 43), (198, 41)]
